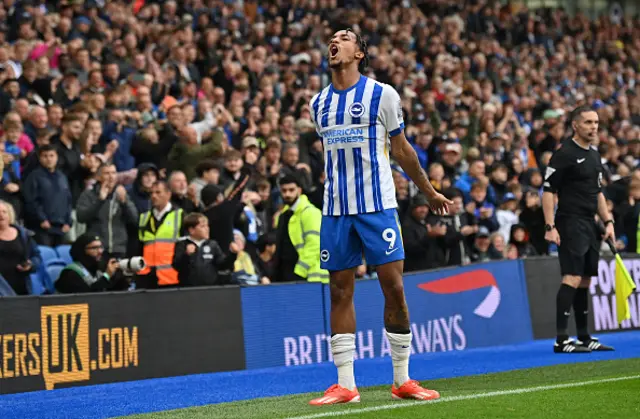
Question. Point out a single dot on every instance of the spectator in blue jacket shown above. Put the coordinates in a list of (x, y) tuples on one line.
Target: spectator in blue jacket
[(48, 201), (480, 206), (116, 129), (140, 191), (475, 173)]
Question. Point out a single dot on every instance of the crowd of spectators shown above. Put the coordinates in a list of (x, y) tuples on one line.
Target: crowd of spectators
[(101, 100)]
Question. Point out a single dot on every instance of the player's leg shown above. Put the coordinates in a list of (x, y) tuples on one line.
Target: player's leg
[(381, 236), (581, 300), (571, 254), (340, 254)]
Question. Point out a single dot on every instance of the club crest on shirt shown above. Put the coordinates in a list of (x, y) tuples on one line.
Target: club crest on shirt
[(356, 109), (206, 249)]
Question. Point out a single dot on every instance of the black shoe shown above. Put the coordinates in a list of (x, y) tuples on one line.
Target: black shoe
[(594, 345), (569, 346)]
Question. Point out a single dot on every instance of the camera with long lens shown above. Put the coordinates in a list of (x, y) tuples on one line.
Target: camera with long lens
[(132, 265)]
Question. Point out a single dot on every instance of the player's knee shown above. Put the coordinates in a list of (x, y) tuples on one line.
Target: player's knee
[(341, 293), (394, 293), (571, 280)]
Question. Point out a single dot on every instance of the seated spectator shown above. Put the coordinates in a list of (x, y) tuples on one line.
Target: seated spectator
[(244, 271), (482, 249), (20, 254), (265, 261), (197, 258), (499, 244), (507, 214), (519, 237), (108, 212), (48, 201), (207, 172), (85, 273)]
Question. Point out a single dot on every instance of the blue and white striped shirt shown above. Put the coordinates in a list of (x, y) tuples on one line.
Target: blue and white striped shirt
[(356, 125)]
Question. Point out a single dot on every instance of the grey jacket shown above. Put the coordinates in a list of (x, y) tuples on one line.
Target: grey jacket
[(109, 219)]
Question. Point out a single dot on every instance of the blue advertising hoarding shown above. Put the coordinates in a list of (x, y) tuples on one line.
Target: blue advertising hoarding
[(451, 310)]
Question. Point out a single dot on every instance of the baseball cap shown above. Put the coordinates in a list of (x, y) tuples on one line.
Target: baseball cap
[(419, 201), (249, 142), (509, 196), (453, 147), (483, 232)]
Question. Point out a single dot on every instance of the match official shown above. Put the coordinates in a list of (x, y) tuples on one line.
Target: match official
[(575, 175)]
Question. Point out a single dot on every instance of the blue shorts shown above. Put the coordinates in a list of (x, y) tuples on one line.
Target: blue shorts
[(343, 240)]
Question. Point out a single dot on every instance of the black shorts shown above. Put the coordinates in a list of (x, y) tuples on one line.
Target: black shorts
[(579, 249)]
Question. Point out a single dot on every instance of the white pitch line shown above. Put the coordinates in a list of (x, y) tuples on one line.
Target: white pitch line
[(401, 404)]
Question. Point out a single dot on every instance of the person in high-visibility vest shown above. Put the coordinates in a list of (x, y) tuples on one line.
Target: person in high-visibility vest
[(298, 236), (158, 232)]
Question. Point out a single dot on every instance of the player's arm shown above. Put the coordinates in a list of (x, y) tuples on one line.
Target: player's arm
[(403, 153), (407, 158)]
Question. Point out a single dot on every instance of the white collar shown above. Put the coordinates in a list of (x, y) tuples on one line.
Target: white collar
[(159, 214), (196, 242)]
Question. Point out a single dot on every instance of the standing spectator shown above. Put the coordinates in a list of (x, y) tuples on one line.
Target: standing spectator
[(182, 195), (187, 153), (417, 240), (483, 210), (507, 215), (244, 270), (197, 258), (532, 217), (20, 255), (298, 236), (159, 230), (140, 191), (71, 162), (48, 201), (207, 172), (108, 212)]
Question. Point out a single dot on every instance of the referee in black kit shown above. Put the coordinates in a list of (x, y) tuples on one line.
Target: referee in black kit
[(575, 175)]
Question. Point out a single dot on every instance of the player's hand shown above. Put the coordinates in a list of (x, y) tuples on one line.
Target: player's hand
[(609, 233), (552, 236), (439, 204)]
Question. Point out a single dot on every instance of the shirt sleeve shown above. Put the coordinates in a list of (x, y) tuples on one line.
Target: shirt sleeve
[(555, 171), (314, 103), (391, 111)]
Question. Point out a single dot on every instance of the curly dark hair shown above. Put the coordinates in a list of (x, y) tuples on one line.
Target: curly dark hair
[(362, 46)]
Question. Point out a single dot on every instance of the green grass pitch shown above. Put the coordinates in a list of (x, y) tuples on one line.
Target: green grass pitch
[(606, 389)]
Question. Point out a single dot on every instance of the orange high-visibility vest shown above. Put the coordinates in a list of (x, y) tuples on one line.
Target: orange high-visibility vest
[(159, 243)]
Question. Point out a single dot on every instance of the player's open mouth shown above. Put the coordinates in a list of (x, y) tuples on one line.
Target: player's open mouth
[(333, 50)]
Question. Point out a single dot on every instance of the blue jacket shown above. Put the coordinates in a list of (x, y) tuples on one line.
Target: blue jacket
[(464, 184), (47, 197), (122, 158)]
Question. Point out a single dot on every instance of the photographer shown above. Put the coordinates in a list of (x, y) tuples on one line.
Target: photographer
[(85, 273)]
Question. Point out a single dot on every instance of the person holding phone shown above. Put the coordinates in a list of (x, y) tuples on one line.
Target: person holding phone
[(20, 254)]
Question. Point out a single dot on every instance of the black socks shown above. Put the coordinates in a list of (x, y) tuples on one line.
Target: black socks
[(564, 301), (580, 310)]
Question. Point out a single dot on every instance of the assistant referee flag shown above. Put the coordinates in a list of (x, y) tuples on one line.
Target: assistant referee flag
[(624, 286)]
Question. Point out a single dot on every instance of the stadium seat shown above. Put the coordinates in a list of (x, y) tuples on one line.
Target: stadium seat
[(35, 284), (47, 253), (54, 269), (64, 253)]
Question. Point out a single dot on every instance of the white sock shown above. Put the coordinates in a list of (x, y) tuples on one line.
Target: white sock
[(400, 352), (342, 347)]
